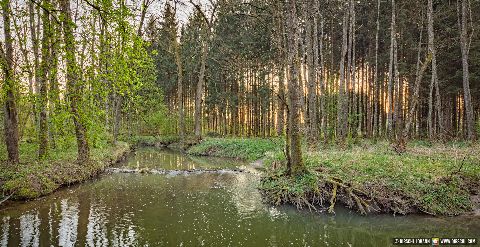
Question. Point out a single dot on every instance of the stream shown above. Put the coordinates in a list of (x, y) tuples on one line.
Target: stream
[(221, 208)]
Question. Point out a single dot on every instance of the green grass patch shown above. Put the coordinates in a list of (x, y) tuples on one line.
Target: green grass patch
[(432, 178), (249, 149)]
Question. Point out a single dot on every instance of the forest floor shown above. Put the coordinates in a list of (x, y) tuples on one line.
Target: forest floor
[(433, 178), (33, 178)]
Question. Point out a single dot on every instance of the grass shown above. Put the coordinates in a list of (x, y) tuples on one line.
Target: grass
[(249, 149), (33, 178), (436, 179), (152, 140)]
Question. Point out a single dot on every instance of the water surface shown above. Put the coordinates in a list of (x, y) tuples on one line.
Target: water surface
[(206, 209)]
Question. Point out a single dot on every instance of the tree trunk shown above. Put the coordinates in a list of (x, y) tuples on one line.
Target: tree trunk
[(416, 91), (34, 38), (10, 87), (281, 101), (390, 75), (318, 48), (43, 83), (312, 96), (200, 90), (375, 80), (54, 90), (341, 114), (181, 114), (434, 82), (464, 46), (295, 165), (74, 91), (353, 72), (145, 4)]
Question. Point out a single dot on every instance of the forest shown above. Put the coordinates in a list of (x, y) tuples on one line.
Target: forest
[(97, 70), (374, 103)]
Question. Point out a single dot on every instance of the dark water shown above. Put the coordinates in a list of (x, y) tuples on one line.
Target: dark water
[(209, 209)]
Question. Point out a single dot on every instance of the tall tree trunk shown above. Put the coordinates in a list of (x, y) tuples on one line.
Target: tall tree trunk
[(323, 88), (200, 90), (376, 84), (181, 114), (320, 72), (353, 71), (74, 90), (143, 13), (397, 92), (34, 39), (420, 71), (281, 101), (464, 46), (434, 82), (10, 87), (295, 165), (390, 74), (346, 111), (341, 110), (54, 90), (43, 82), (312, 95)]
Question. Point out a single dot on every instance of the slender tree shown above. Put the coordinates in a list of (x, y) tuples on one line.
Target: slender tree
[(342, 101), (9, 87), (74, 90), (43, 81), (465, 49), (181, 114), (391, 73), (434, 82), (312, 87)]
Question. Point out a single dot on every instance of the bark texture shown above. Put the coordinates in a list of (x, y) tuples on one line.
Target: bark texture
[(9, 86)]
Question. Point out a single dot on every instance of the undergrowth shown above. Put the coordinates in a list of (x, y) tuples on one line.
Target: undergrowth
[(249, 149), (436, 179)]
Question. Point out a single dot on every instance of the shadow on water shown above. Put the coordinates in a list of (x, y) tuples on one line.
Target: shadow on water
[(210, 209)]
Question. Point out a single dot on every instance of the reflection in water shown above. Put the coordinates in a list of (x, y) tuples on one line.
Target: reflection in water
[(67, 232), (5, 228), (124, 234), (211, 209), (245, 196), (97, 226), (29, 229), (154, 158)]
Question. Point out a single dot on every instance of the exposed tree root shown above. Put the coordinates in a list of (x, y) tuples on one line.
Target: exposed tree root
[(6, 198), (279, 190)]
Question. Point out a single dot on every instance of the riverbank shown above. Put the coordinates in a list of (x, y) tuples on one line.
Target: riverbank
[(32, 178), (437, 179), (431, 178)]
